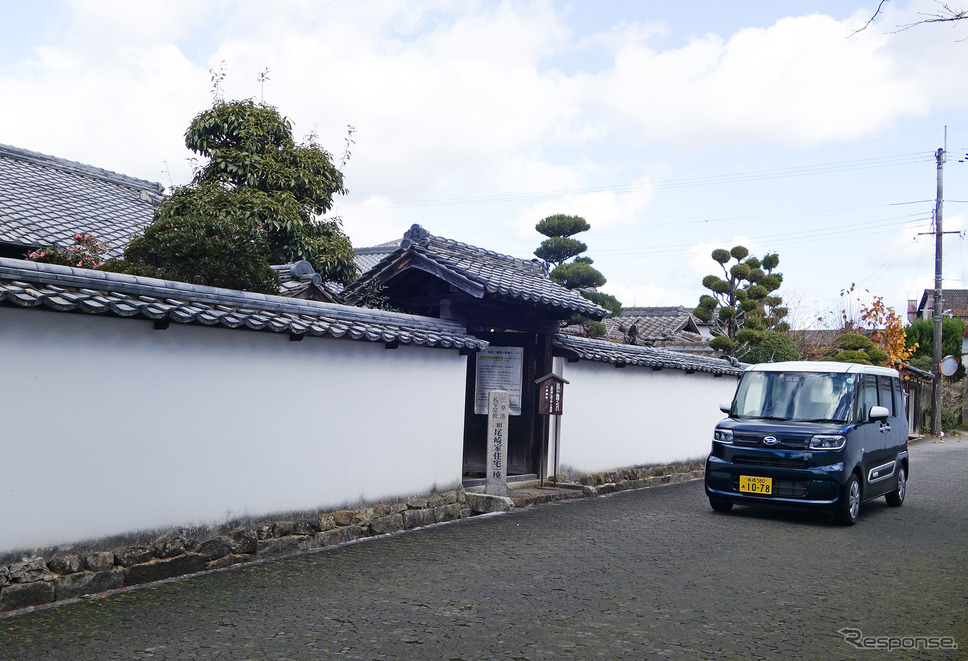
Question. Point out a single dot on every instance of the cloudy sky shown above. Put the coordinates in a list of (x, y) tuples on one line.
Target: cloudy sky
[(672, 127)]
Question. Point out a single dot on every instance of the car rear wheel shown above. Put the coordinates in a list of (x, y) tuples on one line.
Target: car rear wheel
[(896, 497), (720, 505), (848, 508)]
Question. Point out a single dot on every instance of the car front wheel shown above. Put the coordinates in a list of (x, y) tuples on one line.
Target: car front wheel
[(896, 497), (720, 505), (848, 509)]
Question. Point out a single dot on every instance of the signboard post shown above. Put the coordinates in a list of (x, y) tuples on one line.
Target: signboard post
[(497, 443), (551, 394)]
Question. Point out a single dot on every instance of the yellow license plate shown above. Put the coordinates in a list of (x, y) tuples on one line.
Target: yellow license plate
[(750, 484)]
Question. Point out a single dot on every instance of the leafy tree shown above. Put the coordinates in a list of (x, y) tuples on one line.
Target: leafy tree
[(743, 304), (256, 201), (873, 318), (855, 348), (579, 273), (774, 347), (920, 336)]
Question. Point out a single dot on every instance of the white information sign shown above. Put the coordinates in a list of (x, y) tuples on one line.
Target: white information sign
[(499, 368)]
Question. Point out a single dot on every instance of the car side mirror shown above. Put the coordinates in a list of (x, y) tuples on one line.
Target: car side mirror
[(726, 406), (878, 413)]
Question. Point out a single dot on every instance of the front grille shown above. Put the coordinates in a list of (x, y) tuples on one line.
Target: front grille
[(773, 462), (756, 440)]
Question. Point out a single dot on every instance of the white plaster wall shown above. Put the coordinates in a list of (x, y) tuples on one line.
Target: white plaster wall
[(108, 426), (617, 418)]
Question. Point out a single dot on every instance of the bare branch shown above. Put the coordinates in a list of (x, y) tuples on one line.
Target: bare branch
[(880, 6)]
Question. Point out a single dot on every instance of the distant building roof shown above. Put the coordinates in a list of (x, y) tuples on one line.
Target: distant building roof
[(46, 200), (32, 285), (476, 271), (627, 354), (953, 301)]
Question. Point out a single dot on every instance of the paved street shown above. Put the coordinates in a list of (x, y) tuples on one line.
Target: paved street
[(648, 573)]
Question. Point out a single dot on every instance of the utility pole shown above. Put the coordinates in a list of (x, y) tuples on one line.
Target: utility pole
[(937, 314)]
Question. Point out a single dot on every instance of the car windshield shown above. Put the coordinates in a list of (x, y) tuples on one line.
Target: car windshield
[(802, 396)]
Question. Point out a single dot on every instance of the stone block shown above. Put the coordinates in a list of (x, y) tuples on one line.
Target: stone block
[(338, 536), (418, 518), (450, 498), (214, 548), (4, 575), (326, 522), (381, 509), (608, 487), (364, 516), (66, 563), (398, 508), (417, 503), (157, 570), (344, 517), (75, 585), (29, 571), (169, 546), (447, 513), (133, 555), (386, 524), (243, 541), (269, 548), (283, 528), (264, 531), (304, 527), (21, 595), (99, 561), (484, 503)]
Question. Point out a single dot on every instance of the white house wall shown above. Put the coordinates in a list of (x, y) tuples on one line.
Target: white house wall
[(110, 426), (634, 416)]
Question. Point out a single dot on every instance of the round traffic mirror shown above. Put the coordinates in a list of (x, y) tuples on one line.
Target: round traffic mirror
[(949, 365)]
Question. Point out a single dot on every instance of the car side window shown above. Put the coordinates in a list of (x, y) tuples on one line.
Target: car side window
[(899, 408), (866, 397), (886, 394)]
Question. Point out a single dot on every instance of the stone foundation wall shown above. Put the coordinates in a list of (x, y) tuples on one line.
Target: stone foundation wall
[(66, 574)]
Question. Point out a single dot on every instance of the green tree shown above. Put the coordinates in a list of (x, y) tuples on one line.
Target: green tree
[(256, 201), (922, 333), (743, 303), (578, 274), (774, 347), (855, 348)]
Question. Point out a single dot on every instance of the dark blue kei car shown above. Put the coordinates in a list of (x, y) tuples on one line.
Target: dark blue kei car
[(811, 434)]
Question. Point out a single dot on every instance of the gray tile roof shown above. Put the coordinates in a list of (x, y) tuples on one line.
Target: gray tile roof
[(627, 354), (30, 284), (46, 200), (502, 275), (367, 258)]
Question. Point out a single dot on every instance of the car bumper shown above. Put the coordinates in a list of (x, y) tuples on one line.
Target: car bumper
[(815, 486)]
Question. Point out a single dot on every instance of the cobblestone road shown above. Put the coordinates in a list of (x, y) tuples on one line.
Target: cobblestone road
[(642, 574)]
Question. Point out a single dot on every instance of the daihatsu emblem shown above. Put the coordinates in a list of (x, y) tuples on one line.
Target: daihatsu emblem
[(770, 440)]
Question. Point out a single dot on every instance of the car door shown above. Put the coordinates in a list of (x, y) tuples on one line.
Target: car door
[(880, 471), (867, 438)]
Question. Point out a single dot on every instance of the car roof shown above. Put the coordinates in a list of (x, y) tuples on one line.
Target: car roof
[(822, 366)]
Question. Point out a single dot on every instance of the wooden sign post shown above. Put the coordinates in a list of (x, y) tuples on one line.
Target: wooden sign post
[(551, 394)]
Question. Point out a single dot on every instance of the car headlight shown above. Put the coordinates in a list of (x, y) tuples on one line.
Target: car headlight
[(827, 442), (723, 436)]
